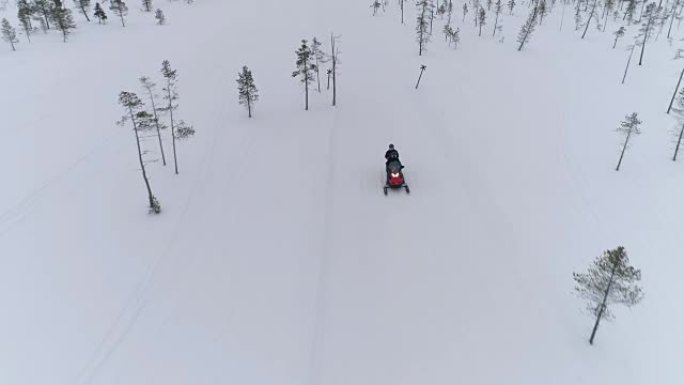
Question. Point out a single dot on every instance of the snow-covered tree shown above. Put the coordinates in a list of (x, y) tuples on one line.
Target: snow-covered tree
[(62, 19), (305, 69), (147, 5), (248, 93), (120, 9), (84, 7), (141, 121), (609, 280), (9, 34), (159, 15), (42, 8), (618, 34), (150, 89), (526, 30), (629, 127), (482, 18), (179, 129), (630, 11), (511, 6), (100, 14), (650, 14), (24, 14), (497, 11), (319, 58), (422, 26), (542, 10)]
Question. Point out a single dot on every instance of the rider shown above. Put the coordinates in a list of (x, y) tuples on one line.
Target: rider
[(391, 155)]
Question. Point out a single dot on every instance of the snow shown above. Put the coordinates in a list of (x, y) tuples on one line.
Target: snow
[(278, 260)]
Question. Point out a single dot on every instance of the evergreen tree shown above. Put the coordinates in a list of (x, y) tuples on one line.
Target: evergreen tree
[(609, 280), (248, 94), (84, 6), (159, 15), (319, 58), (141, 121), (24, 14), (150, 87), (591, 15), (120, 9), (526, 30), (608, 6), (646, 28), (9, 34), (482, 17), (100, 14), (424, 10), (376, 5), (629, 127), (305, 69), (42, 7), (497, 11), (629, 11), (618, 34), (62, 19), (147, 5), (673, 16), (179, 129), (465, 11), (511, 5), (542, 10)]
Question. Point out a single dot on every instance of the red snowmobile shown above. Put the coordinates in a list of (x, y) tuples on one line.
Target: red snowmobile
[(395, 177)]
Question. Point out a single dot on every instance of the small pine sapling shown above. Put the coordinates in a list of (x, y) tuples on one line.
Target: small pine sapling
[(618, 34), (141, 121), (100, 14), (248, 94), (9, 34), (609, 280), (159, 15), (628, 127)]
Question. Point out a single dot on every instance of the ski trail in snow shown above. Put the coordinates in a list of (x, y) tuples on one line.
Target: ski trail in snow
[(137, 301)]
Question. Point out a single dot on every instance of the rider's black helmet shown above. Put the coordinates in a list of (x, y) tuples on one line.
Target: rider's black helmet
[(391, 146)]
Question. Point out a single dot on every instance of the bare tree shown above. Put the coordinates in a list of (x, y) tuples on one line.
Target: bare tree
[(179, 129), (423, 67), (591, 15), (609, 280), (149, 87)]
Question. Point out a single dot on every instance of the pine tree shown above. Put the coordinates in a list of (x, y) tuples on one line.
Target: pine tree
[(591, 15), (465, 11), (100, 14), (159, 15), (511, 5), (319, 58), (629, 11), (248, 94), (150, 87), (42, 7), (305, 69), (401, 6), (423, 67), (375, 5), (497, 10), (120, 9), (482, 18), (646, 28), (608, 6), (24, 14), (147, 5), (618, 34), (141, 121), (542, 10), (424, 10), (526, 30), (84, 6), (629, 127), (63, 19), (9, 34), (179, 129), (673, 16), (609, 280)]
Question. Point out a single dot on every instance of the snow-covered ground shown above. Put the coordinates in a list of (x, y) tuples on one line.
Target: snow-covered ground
[(278, 260)]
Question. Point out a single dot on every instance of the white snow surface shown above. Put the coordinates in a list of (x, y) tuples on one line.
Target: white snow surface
[(277, 260)]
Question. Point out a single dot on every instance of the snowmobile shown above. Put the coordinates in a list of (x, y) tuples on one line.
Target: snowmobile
[(395, 177)]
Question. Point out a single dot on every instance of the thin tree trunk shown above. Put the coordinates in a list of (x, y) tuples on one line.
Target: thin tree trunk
[(84, 12), (334, 69), (156, 123), (679, 142), (12, 44), (150, 197), (643, 44), (123, 23), (401, 4), (328, 82), (173, 128), (591, 14), (562, 17), (45, 15), (631, 53), (669, 108), (419, 77), (605, 21), (318, 76), (249, 105), (602, 309), (672, 17), (624, 147), (306, 91)]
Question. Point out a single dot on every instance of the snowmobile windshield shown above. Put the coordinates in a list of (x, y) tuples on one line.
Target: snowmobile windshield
[(394, 166)]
